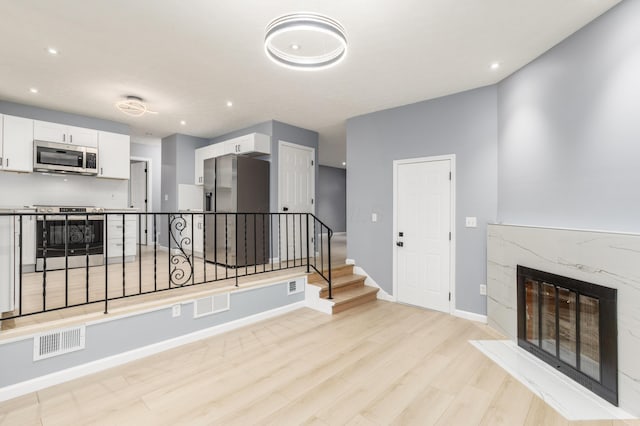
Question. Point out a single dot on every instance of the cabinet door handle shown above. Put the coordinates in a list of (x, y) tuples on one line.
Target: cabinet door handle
[(7, 162), (71, 138), (64, 137), (101, 171), (0, 161)]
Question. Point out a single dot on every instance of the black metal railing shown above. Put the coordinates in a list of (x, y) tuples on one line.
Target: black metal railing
[(58, 261)]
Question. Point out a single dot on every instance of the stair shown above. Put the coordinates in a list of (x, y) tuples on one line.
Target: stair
[(348, 289)]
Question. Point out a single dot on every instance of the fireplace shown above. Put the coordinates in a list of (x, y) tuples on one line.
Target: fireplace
[(571, 325)]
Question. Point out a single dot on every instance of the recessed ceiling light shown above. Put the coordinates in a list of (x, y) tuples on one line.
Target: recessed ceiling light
[(495, 65), (229, 103), (52, 50), (313, 29), (344, 163), (33, 90), (182, 122)]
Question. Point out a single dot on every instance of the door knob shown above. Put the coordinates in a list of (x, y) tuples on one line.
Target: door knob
[(285, 209)]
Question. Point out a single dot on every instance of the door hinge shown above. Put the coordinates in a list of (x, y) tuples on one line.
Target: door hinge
[(312, 162), (449, 236), (145, 170), (312, 201), (449, 296), (449, 175)]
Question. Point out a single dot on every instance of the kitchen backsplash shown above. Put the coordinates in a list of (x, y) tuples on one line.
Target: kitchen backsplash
[(27, 189)]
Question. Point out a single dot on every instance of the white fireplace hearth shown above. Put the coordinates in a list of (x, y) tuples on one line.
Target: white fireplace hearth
[(603, 258)]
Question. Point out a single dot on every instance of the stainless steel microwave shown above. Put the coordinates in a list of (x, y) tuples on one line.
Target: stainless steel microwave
[(64, 158)]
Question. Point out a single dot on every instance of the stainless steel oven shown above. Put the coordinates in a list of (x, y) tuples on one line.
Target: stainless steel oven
[(69, 237)]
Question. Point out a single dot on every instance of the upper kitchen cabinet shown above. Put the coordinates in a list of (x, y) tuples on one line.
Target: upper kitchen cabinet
[(16, 144), (61, 133), (113, 155), (205, 153), (251, 144)]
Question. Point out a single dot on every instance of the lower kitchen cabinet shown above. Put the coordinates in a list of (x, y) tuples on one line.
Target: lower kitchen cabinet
[(115, 244), (8, 264), (196, 242)]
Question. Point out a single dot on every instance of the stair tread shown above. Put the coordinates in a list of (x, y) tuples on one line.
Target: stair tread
[(340, 281), (354, 293)]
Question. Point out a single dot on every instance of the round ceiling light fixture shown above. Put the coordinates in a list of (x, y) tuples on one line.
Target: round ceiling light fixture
[(133, 106), (324, 41)]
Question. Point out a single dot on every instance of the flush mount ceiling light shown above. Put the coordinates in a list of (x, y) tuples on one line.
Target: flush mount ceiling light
[(133, 106), (305, 41)]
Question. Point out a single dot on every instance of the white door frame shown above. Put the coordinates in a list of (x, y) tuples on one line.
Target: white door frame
[(149, 194), (282, 143), (452, 246)]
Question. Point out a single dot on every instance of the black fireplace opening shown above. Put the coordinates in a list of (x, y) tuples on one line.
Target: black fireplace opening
[(571, 325)]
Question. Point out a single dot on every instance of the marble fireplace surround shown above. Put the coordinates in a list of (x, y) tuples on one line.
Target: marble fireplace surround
[(604, 258)]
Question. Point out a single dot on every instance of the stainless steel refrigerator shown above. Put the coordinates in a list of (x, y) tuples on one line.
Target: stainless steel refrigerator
[(239, 186)]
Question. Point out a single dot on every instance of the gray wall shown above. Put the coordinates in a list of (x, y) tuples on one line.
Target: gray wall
[(569, 130), (109, 338), (154, 153), (332, 197), (69, 119), (464, 124)]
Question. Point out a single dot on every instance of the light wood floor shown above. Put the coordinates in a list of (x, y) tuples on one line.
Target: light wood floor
[(377, 364)]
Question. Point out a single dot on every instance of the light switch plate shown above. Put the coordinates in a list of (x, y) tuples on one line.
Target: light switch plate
[(374, 217), (483, 289), (471, 222)]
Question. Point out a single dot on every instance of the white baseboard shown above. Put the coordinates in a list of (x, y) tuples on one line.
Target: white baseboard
[(72, 373), (470, 316), (382, 295)]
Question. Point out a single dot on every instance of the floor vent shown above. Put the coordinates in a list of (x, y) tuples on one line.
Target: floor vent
[(58, 342), (294, 287), (211, 305)]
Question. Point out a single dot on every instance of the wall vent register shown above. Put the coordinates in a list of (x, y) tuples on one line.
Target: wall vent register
[(58, 342), (571, 325)]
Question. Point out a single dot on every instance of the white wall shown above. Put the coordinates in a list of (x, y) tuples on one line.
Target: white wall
[(28, 189)]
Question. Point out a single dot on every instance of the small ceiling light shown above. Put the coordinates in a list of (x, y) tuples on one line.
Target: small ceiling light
[(344, 163), (229, 103), (284, 34), (52, 51), (134, 106), (495, 65), (33, 90), (183, 123)]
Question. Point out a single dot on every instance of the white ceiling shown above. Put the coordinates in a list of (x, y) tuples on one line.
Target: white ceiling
[(188, 58)]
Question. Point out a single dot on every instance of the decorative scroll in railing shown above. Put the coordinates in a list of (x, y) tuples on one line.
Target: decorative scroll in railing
[(56, 261)]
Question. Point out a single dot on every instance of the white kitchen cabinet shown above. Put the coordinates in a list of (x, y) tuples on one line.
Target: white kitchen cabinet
[(197, 237), (28, 240), (61, 133), (113, 155), (115, 244), (16, 144), (205, 153), (251, 144), (8, 265)]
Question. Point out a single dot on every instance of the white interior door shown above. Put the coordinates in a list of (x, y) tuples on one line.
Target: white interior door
[(296, 194), (423, 196), (138, 196)]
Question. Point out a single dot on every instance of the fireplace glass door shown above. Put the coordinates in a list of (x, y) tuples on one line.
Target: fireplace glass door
[(562, 321)]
